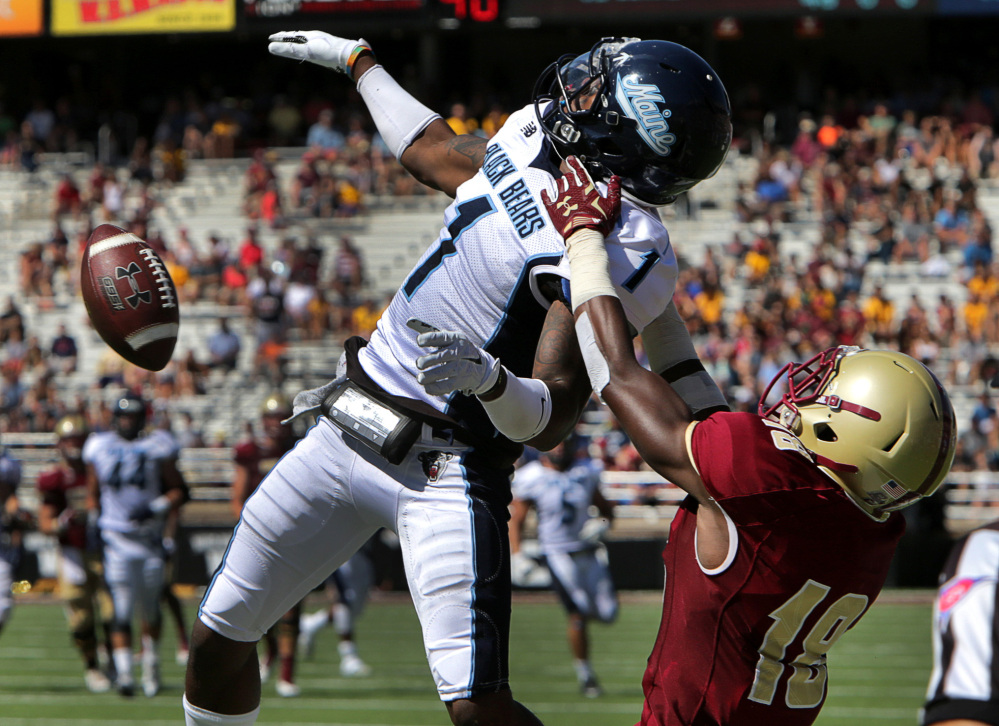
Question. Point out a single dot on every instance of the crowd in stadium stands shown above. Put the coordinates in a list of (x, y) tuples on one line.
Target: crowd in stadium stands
[(901, 173)]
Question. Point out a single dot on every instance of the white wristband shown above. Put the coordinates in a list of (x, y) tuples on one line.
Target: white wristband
[(399, 117), (588, 265), (160, 505), (523, 410)]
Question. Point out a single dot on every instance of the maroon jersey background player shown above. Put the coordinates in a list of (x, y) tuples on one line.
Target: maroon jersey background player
[(64, 491), (62, 514), (745, 643), (255, 457)]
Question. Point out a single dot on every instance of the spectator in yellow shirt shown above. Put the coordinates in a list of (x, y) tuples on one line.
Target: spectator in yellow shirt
[(975, 312), (460, 121), (710, 302), (984, 283), (880, 314)]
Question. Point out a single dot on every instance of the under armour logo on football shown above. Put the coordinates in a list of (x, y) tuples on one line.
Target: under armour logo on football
[(137, 295), (567, 207)]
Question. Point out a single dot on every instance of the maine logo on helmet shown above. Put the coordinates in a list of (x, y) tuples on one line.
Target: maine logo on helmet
[(651, 112), (640, 102)]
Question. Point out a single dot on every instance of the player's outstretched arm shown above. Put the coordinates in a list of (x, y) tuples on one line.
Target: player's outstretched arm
[(419, 137), (651, 412)]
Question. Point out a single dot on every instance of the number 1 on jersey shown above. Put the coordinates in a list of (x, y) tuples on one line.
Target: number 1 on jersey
[(469, 213)]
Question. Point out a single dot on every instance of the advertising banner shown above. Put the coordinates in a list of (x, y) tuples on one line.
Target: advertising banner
[(106, 17), (20, 17)]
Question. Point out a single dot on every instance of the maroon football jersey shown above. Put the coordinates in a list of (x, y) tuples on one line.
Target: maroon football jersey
[(62, 489), (746, 645), (260, 457)]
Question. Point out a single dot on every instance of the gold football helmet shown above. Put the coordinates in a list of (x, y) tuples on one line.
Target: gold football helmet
[(70, 426), (71, 432), (275, 409), (276, 404), (877, 421)]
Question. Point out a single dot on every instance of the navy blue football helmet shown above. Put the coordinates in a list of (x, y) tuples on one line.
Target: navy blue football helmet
[(652, 112), (128, 416)]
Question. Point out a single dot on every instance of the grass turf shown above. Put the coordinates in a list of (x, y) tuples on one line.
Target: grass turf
[(878, 671)]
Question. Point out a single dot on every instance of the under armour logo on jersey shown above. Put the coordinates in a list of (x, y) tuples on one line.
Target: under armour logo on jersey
[(529, 129), (137, 295), (434, 463)]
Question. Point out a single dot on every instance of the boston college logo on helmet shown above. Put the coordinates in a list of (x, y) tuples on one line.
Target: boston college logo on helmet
[(640, 102)]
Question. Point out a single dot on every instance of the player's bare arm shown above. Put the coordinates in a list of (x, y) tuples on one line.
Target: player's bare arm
[(558, 362), (421, 140), (47, 519), (174, 486), (519, 509), (240, 491), (93, 501), (652, 413), (437, 157), (443, 160), (655, 418)]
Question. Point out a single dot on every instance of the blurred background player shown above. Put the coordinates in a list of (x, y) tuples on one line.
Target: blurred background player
[(964, 685), (254, 459), (169, 597), (12, 526), (347, 589), (134, 483), (62, 513), (562, 487)]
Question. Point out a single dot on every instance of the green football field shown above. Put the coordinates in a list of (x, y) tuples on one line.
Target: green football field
[(878, 671)]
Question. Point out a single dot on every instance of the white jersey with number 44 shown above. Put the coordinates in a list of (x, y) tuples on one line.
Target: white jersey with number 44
[(129, 476)]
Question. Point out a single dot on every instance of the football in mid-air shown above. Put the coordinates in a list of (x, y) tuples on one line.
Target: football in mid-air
[(130, 298)]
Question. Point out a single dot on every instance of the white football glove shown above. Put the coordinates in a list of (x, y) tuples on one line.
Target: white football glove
[(457, 364), (594, 529), (317, 47), (521, 567)]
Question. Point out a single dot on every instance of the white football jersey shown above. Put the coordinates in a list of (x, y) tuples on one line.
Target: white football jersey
[(481, 276), (129, 475), (562, 500), (10, 478)]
